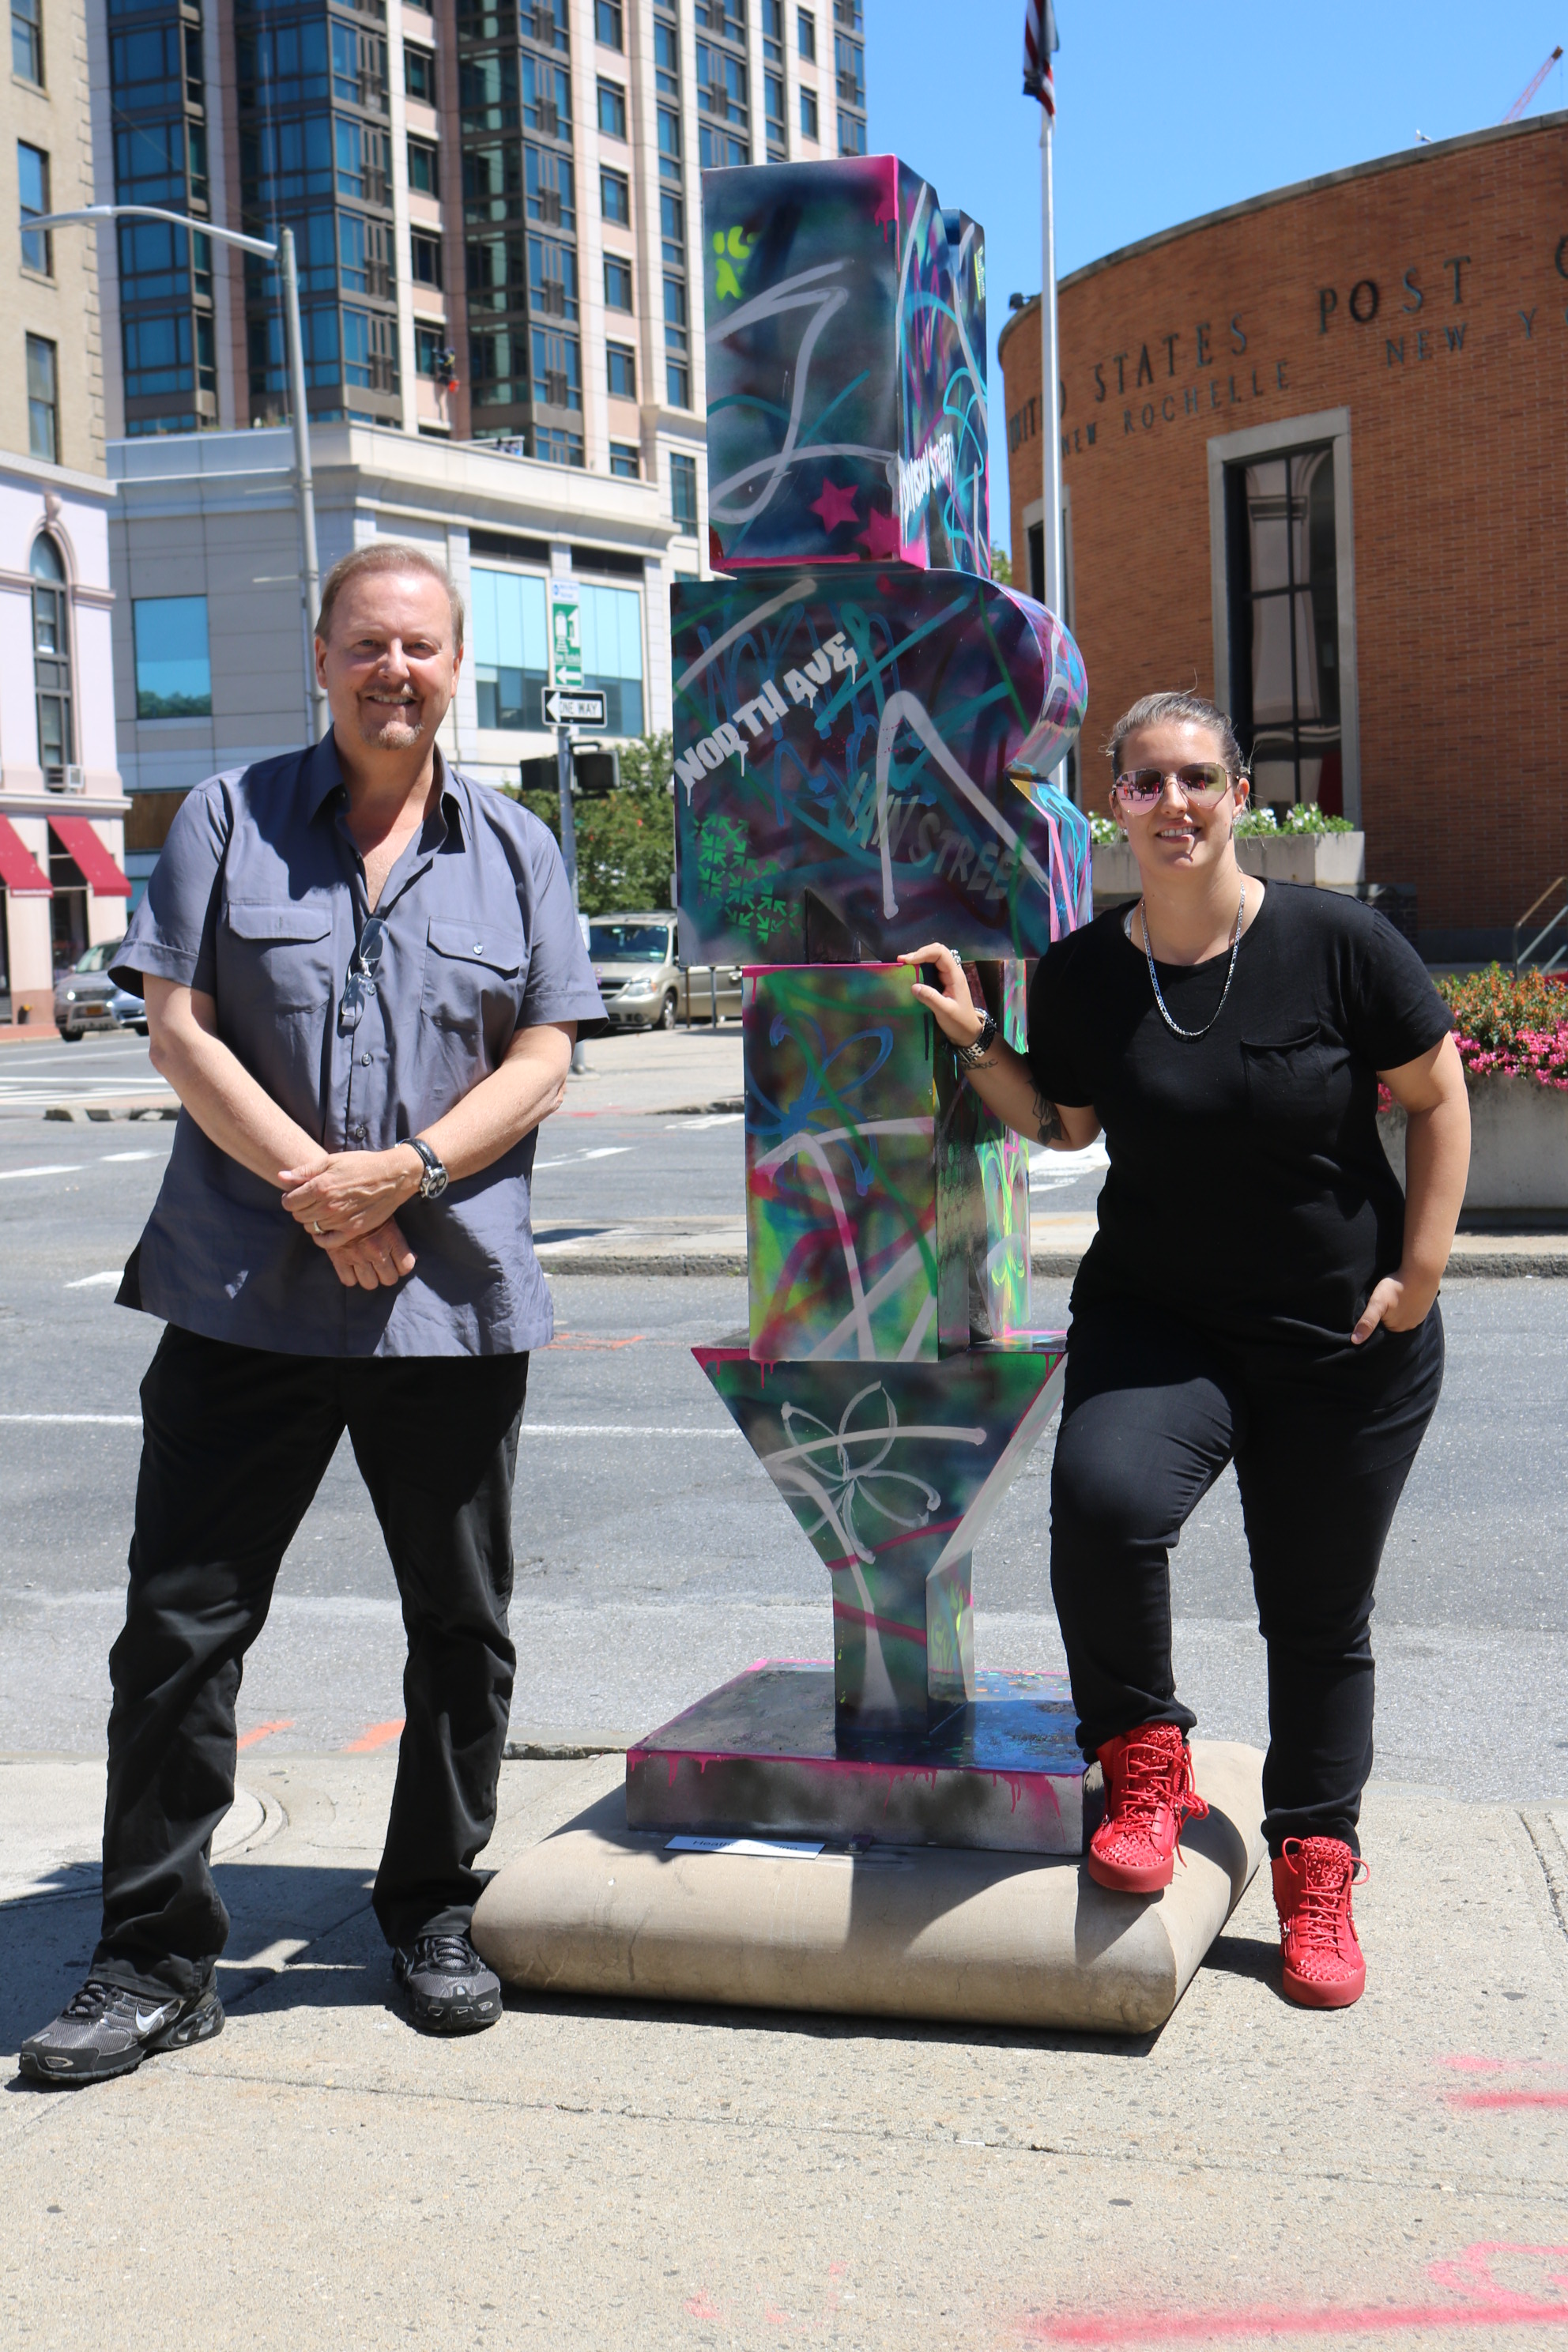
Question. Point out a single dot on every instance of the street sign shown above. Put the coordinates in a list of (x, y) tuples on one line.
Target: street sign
[(565, 633), (579, 709)]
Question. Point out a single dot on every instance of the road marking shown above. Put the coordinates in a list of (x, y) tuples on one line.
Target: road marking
[(110, 1156), (94, 1281), (575, 1159), (708, 1118), (99, 1420), (374, 1735), (46, 1168), (529, 1428), (265, 1731)]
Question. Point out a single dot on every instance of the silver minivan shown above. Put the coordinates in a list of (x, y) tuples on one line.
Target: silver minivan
[(636, 963)]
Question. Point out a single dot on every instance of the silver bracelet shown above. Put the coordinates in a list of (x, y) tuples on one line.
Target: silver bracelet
[(972, 1056)]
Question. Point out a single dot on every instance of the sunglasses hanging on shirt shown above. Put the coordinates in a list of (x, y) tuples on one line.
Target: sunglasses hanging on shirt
[(361, 981)]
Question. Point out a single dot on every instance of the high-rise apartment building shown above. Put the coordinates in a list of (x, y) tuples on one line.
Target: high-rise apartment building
[(61, 807), (495, 205), (497, 210)]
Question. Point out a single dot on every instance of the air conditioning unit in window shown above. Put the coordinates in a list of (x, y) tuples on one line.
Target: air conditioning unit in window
[(76, 780)]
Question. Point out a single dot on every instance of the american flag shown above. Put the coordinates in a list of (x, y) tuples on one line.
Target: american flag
[(1039, 41)]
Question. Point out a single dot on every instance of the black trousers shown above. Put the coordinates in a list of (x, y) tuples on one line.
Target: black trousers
[(1152, 1412), (237, 1441)]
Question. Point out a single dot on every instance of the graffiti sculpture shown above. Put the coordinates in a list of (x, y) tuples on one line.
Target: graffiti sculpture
[(863, 743)]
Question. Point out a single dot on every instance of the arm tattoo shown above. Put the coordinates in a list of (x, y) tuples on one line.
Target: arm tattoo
[(1048, 1123)]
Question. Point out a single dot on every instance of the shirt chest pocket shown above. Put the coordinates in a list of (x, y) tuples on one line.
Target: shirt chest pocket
[(473, 979), (1298, 1088), (279, 953)]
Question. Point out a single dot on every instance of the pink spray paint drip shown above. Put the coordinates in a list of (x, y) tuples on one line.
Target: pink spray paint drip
[(1492, 2305)]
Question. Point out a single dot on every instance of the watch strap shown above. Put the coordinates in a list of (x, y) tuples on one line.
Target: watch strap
[(970, 1056)]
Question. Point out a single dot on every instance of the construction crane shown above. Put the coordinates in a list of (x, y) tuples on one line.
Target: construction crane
[(1525, 95)]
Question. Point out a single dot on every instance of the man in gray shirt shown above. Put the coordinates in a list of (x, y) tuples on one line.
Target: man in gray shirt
[(364, 977)]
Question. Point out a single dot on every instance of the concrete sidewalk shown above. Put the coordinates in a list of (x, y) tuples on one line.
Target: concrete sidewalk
[(591, 2175)]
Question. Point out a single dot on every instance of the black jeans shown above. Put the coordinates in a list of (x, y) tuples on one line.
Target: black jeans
[(237, 1441), (1152, 1414)]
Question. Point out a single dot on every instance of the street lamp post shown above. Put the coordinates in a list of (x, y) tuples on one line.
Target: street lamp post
[(304, 483)]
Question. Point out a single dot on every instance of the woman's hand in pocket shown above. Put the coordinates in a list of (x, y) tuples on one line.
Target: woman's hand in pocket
[(1399, 1303)]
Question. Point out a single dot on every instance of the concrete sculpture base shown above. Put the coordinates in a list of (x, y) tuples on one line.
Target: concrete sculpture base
[(764, 1756), (975, 1939)]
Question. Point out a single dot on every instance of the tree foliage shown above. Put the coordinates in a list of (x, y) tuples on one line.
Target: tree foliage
[(626, 839)]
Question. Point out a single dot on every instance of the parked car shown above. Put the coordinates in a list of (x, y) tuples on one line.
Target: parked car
[(634, 959), (86, 999)]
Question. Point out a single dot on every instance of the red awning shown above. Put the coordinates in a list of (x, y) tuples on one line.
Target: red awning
[(95, 864), (19, 870)]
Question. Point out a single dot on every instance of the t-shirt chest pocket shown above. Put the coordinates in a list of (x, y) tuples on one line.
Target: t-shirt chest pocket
[(278, 954), (1297, 1087), (473, 977)]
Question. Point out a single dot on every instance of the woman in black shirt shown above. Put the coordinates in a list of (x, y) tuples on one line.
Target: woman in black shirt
[(1259, 1290)]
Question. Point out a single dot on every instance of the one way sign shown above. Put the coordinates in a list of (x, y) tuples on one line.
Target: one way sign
[(579, 709)]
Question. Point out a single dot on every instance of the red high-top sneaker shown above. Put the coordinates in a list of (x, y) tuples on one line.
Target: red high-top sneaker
[(1322, 1956), (1149, 1794)]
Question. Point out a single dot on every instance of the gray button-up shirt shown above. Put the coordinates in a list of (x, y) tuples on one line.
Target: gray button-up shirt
[(259, 900)]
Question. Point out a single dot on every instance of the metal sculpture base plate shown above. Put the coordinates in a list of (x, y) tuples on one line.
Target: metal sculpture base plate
[(762, 1755)]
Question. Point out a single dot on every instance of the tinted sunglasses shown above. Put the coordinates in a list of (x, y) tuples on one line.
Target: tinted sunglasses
[(361, 981), (1204, 783)]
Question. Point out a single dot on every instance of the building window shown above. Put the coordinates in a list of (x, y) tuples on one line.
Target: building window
[(425, 255), (773, 90), (424, 167), (552, 446), (28, 41), (612, 654), (419, 73), (43, 402), (33, 174), (612, 110), (552, 277), (607, 24), (174, 672), (810, 126), (615, 199), (623, 370), (806, 32), (683, 493), (677, 383), (557, 370), (626, 461), (774, 31), (851, 134), (511, 646), (51, 656), (1282, 578), (617, 283), (433, 354)]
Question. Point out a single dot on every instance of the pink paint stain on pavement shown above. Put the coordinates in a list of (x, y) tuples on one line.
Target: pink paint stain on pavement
[(1491, 2305), (264, 1731), (374, 1736), (1504, 2097), (700, 2305)]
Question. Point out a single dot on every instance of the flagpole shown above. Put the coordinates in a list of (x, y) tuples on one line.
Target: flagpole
[(1051, 379)]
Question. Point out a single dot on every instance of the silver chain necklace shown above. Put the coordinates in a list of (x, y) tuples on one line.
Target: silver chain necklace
[(1174, 1026)]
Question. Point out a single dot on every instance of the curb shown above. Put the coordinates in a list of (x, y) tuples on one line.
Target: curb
[(154, 1107), (1527, 1262)]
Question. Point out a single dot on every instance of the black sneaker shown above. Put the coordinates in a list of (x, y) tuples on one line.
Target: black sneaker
[(450, 1989), (108, 2031)]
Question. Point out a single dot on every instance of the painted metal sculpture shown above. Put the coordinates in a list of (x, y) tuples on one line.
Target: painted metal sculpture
[(863, 740)]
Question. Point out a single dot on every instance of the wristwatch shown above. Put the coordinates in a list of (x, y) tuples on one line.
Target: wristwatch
[(435, 1181), (971, 1055)]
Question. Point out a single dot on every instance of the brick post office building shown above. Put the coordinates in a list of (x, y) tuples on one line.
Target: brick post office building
[(1315, 459)]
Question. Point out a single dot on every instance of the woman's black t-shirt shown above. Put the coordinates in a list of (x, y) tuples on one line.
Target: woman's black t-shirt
[(1248, 1192)]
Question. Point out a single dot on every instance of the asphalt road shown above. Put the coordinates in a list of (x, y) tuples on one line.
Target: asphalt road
[(654, 1558)]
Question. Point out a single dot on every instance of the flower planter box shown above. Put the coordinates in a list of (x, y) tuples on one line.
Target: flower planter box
[(1519, 1152), (1330, 861)]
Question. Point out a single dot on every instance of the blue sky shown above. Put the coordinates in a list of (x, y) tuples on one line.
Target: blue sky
[(1164, 112)]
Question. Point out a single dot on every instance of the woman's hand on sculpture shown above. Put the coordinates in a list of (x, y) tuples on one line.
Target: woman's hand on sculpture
[(955, 1011)]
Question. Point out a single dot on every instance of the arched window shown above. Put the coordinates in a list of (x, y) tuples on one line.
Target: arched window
[(52, 661)]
